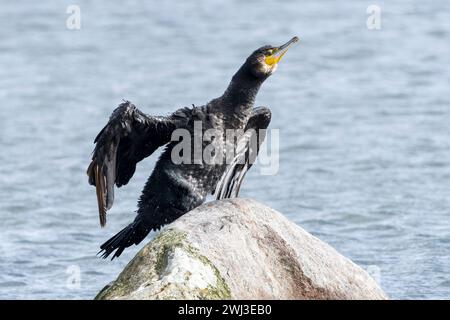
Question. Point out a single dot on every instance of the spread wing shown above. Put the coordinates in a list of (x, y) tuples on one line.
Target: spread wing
[(127, 138), (246, 152)]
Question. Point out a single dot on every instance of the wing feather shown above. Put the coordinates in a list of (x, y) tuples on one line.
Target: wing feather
[(247, 150), (128, 137)]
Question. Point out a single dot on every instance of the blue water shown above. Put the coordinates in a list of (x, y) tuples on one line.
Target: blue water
[(363, 116)]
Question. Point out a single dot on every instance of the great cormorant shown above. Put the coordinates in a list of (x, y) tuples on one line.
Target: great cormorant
[(174, 189)]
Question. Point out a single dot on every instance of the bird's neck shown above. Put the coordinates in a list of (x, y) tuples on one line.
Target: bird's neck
[(241, 92)]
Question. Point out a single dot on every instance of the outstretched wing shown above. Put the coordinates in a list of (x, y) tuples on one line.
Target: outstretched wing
[(246, 152), (127, 138)]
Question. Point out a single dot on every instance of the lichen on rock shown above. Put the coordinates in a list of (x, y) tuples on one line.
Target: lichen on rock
[(173, 269)]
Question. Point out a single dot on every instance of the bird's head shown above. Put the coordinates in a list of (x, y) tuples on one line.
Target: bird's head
[(264, 61)]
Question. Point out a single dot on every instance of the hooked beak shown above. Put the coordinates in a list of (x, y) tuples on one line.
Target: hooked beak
[(278, 52)]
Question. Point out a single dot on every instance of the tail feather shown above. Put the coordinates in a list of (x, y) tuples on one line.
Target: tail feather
[(134, 233)]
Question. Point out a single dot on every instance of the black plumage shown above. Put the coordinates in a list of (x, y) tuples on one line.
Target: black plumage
[(174, 189)]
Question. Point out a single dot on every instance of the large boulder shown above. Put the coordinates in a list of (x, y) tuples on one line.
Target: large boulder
[(239, 249)]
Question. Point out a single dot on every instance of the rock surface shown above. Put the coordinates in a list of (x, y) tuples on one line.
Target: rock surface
[(239, 249)]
